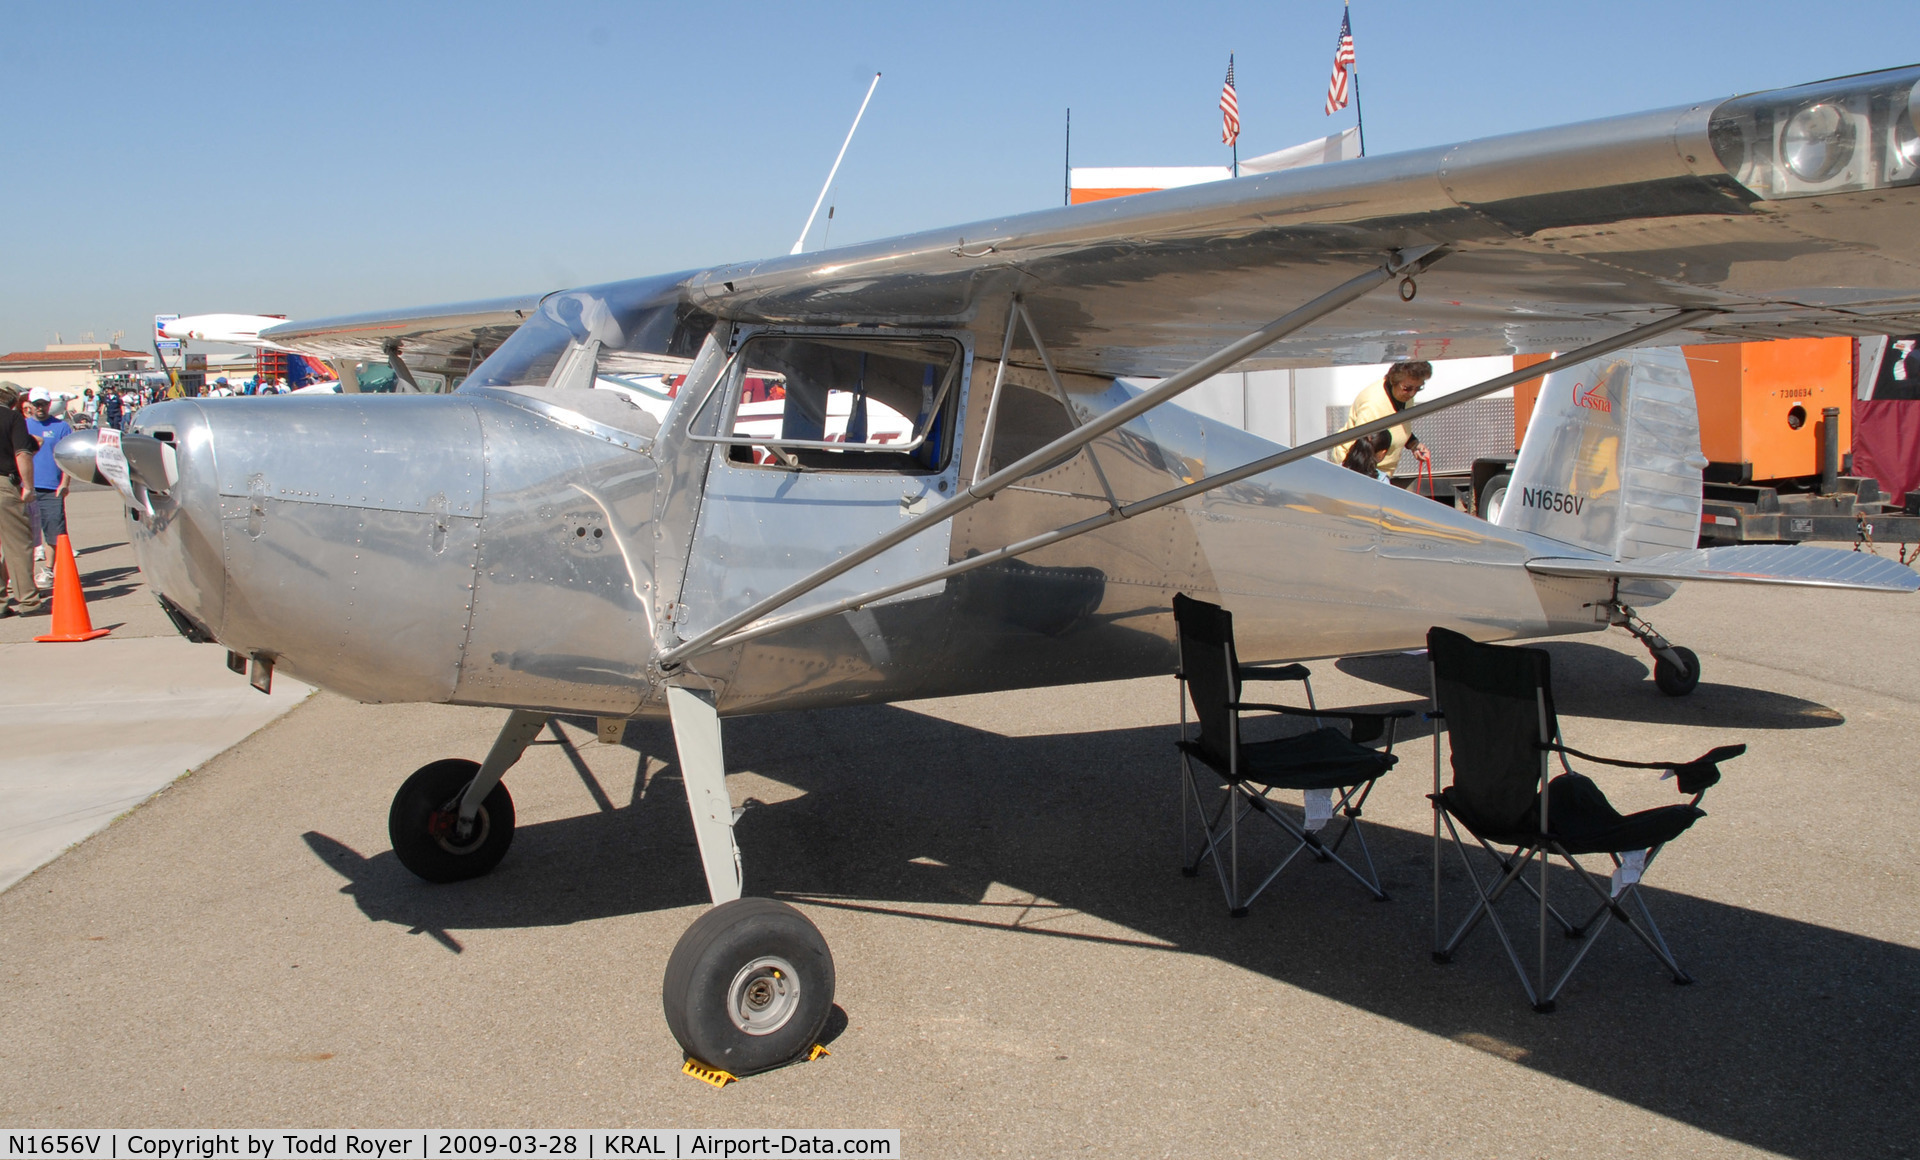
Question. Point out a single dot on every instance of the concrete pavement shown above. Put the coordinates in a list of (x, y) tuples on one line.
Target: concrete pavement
[(95, 728)]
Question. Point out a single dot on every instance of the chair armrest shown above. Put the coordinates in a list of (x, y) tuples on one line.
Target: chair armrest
[(1347, 714), (1367, 724), (1273, 672), (1693, 777)]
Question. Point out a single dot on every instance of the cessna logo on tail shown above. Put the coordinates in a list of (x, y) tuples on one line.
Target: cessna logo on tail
[(1590, 398), (1549, 500)]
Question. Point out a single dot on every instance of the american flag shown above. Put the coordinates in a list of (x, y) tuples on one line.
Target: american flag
[(1229, 108), (1342, 60)]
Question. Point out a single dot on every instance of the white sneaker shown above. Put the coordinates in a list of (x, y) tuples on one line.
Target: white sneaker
[(40, 553), (43, 578)]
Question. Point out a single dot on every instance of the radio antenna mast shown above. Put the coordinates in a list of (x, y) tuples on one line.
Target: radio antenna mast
[(797, 246)]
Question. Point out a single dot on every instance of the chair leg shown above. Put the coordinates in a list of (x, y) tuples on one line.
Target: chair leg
[(1611, 908), (1484, 909), (1570, 930), (1271, 811), (1311, 841), (1350, 807), (1545, 1004), (1211, 833), (1271, 875), (1366, 855), (1510, 872), (1209, 826), (1435, 799), (1371, 879), (1235, 907), (1680, 975)]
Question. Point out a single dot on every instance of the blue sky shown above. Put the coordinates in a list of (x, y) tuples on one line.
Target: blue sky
[(312, 159)]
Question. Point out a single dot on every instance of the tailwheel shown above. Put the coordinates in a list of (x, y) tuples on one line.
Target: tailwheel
[(1676, 670), (1675, 680), (424, 823), (749, 986)]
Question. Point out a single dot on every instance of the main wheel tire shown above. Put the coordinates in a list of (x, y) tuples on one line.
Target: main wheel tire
[(423, 823), (749, 986), (1673, 681), (1493, 496)]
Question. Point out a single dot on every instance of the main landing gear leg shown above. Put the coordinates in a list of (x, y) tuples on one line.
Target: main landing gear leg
[(1676, 670), (453, 819), (749, 986)]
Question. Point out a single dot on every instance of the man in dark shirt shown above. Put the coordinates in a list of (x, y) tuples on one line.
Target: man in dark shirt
[(17, 449)]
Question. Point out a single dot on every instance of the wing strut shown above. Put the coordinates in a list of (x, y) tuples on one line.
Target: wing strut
[(1632, 337), (1017, 309), (1399, 264)]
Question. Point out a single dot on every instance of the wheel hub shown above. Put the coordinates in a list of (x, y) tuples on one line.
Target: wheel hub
[(444, 826), (764, 995)]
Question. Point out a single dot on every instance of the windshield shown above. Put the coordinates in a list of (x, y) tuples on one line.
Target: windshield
[(628, 337)]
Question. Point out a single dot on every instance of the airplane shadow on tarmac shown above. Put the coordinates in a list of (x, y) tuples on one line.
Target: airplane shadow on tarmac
[(1591, 680), (1797, 1038)]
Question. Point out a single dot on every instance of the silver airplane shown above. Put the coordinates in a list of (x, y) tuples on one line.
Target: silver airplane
[(539, 543)]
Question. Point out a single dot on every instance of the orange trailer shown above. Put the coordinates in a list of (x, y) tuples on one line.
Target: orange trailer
[(1760, 405)]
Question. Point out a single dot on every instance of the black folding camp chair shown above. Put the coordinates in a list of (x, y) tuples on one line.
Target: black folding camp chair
[(1324, 759), (1496, 706)]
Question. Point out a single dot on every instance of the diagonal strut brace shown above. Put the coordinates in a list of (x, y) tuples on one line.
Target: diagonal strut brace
[(715, 639)]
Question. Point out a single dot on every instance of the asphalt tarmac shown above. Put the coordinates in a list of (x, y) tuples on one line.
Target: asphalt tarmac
[(1022, 969)]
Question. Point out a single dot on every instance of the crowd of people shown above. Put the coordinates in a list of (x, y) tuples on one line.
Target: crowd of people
[(33, 504), (114, 402)]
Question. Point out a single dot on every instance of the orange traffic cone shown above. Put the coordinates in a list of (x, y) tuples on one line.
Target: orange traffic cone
[(70, 620)]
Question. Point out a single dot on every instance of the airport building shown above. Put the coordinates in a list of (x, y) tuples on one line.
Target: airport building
[(70, 368)]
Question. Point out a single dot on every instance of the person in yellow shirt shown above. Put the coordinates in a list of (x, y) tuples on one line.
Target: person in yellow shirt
[(1392, 393)]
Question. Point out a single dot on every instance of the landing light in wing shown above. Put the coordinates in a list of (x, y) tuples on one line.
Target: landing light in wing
[(1836, 136)]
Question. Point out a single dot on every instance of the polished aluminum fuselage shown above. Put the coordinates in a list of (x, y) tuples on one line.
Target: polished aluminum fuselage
[(531, 549)]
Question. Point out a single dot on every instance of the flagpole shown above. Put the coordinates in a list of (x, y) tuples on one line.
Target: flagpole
[(1236, 135), (1066, 195), (1359, 118)]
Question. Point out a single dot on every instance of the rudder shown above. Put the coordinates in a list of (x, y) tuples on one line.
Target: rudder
[(1611, 461)]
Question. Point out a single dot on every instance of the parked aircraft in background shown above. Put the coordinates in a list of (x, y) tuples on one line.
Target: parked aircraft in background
[(542, 544), (238, 329)]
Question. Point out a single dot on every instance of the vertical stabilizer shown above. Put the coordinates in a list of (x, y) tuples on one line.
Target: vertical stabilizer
[(1611, 461)]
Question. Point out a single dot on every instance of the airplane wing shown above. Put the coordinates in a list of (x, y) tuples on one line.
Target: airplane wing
[(454, 337), (1748, 564), (1790, 212)]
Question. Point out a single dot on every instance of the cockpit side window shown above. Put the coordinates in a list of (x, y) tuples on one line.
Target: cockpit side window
[(819, 403)]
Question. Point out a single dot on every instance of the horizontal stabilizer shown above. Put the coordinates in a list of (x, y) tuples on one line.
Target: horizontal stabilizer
[(1748, 564)]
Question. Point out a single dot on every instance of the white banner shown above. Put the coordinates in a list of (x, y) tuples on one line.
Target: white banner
[(453, 1144), (112, 461)]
